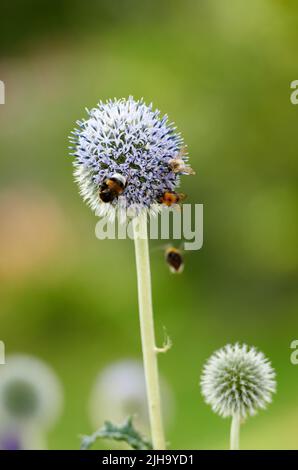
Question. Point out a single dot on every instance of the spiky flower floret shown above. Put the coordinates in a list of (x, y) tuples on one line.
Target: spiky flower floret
[(129, 138), (238, 379)]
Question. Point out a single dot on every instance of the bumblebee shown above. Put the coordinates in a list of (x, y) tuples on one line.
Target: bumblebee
[(170, 198), (174, 260), (112, 187), (178, 165)]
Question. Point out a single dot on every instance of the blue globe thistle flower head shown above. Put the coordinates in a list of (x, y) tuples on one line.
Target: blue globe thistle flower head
[(128, 138), (10, 441)]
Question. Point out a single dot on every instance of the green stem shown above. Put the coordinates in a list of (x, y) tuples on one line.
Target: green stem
[(235, 432), (147, 330)]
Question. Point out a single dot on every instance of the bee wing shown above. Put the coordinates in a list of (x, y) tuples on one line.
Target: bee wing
[(159, 248), (183, 151), (189, 171)]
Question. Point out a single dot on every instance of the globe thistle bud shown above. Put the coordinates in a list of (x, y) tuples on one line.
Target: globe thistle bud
[(30, 393), (238, 380), (21, 437), (10, 440), (129, 140), (120, 391)]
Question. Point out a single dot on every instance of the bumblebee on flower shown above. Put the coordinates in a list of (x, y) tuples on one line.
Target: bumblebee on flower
[(124, 155)]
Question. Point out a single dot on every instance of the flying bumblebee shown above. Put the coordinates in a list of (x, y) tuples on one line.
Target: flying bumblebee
[(178, 165), (174, 260), (112, 187), (170, 198)]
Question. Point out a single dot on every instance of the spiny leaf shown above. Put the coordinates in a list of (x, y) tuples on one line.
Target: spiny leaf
[(124, 432)]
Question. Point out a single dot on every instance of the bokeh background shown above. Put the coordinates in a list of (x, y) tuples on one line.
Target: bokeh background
[(222, 71)]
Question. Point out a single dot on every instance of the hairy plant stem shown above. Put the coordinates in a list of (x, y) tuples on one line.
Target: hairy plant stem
[(235, 432), (147, 330)]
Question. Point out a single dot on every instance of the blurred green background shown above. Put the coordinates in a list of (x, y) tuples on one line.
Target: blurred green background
[(222, 71)]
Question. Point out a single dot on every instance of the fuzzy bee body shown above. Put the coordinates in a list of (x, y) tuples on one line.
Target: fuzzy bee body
[(112, 187), (170, 198), (174, 259), (177, 165)]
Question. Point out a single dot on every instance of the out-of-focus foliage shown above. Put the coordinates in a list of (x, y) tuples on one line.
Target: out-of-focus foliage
[(222, 71), (24, 23)]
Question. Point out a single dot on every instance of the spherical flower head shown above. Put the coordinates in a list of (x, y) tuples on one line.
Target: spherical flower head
[(120, 391), (128, 138), (30, 393), (238, 380)]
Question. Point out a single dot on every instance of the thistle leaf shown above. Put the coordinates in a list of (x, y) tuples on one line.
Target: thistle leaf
[(124, 432)]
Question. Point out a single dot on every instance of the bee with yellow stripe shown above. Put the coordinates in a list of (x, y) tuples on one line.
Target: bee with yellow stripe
[(112, 187), (174, 259), (170, 198)]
